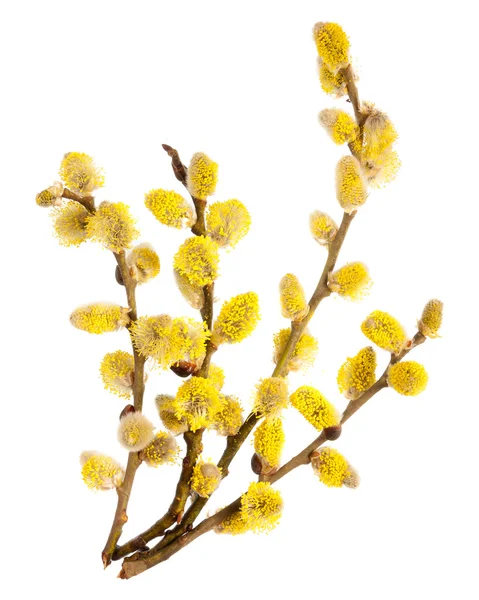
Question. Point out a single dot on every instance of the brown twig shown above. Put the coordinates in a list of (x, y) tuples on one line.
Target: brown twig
[(87, 201), (134, 461), (124, 491), (181, 173), (353, 94)]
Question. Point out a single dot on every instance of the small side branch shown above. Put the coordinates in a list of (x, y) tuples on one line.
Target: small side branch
[(134, 461)]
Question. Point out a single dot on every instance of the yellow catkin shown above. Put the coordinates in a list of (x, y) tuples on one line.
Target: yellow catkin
[(227, 222), (322, 227), (341, 127), (144, 263), (191, 292), (383, 169), (205, 479), (192, 337), (357, 374), (197, 259), (52, 196), (166, 411), (261, 507), (271, 397), (116, 371), (100, 318), (331, 467), (232, 525), (229, 418), (135, 431), (163, 450), (161, 338), (314, 407), (112, 226), (269, 442), (384, 331), (217, 376), (79, 173), (101, 472), (237, 319), (431, 319), (198, 401), (202, 176), (304, 353), (293, 300), (334, 84), (351, 185), (351, 281), (70, 223), (170, 208), (408, 378), (378, 132), (332, 44)]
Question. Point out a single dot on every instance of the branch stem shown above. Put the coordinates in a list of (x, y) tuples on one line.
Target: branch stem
[(124, 491)]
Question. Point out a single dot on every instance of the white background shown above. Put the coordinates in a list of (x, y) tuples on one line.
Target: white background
[(238, 81)]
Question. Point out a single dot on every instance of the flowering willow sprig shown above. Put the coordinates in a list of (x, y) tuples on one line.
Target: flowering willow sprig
[(186, 346), (331, 42), (75, 221)]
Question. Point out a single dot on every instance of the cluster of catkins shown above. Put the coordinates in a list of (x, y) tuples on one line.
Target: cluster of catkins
[(180, 343)]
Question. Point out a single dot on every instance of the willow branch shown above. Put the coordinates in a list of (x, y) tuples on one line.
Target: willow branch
[(141, 562), (194, 445), (353, 94), (235, 442), (322, 291), (138, 388), (87, 201), (134, 461), (180, 171)]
